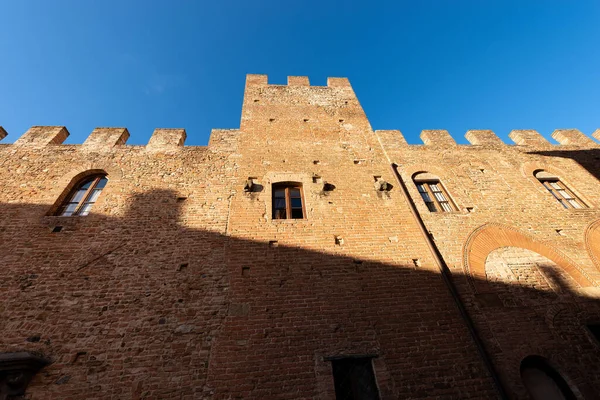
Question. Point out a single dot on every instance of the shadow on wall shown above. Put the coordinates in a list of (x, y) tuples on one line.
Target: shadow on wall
[(588, 159), (143, 307)]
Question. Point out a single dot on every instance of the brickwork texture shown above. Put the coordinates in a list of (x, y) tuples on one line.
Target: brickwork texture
[(180, 284)]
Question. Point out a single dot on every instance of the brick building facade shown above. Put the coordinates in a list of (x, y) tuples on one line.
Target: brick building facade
[(181, 284)]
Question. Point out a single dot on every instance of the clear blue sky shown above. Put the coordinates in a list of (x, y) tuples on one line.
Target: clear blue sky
[(445, 64)]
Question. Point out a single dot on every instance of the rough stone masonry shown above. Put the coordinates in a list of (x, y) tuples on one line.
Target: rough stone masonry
[(180, 284)]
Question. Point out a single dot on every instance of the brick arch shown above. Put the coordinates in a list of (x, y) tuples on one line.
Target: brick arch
[(592, 242), (490, 237)]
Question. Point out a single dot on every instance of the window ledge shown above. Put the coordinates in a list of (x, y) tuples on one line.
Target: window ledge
[(288, 221)]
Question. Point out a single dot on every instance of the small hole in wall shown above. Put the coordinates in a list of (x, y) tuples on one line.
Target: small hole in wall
[(560, 232), (305, 119), (317, 179), (316, 162), (256, 100), (183, 266), (57, 229), (181, 198), (273, 243), (341, 120), (328, 187), (359, 161), (377, 178), (345, 102), (417, 262), (339, 240), (245, 271), (469, 209), (271, 119), (482, 170)]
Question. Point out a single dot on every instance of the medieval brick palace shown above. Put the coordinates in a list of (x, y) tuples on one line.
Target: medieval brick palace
[(301, 256)]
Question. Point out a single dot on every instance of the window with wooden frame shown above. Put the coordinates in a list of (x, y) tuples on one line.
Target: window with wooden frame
[(559, 190), (288, 201), (82, 197), (433, 193)]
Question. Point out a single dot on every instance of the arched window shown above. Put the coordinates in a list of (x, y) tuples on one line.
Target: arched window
[(543, 382), (433, 193), (83, 196), (288, 201), (559, 190)]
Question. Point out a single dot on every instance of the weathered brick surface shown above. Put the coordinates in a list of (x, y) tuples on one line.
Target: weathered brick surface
[(548, 255), (180, 285)]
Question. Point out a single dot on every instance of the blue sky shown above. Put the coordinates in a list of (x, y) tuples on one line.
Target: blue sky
[(444, 64)]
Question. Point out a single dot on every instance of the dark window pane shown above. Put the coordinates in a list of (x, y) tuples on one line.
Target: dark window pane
[(87, 184), (431, 207), (279, 214), (101, 183), (297, 213), (595, 330), (287, 196), (354, 379), (279, 203)]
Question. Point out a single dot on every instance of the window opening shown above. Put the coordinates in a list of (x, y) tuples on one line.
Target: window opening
[(288, 201), (82, 197), (559, 190), (354, 379), (434, 196), (595, 331), (543, 382)]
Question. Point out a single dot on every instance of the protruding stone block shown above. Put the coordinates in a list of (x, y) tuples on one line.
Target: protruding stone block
[(391, 139), (106, 138), (167, 139), (483, 138), (438, 137), (338, 82), (298, 81), (2, 133), (223, 139), (572, 137), (254, 79), (40, 136), (528, 137), (596, 134)]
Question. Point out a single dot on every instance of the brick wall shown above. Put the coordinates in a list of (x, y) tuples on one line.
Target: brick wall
[(181, 285), (505, 217)]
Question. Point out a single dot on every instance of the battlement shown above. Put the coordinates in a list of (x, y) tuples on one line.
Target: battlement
[(487, 138), (172, 139), (263, 80), (275, 108), (105, 139)]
